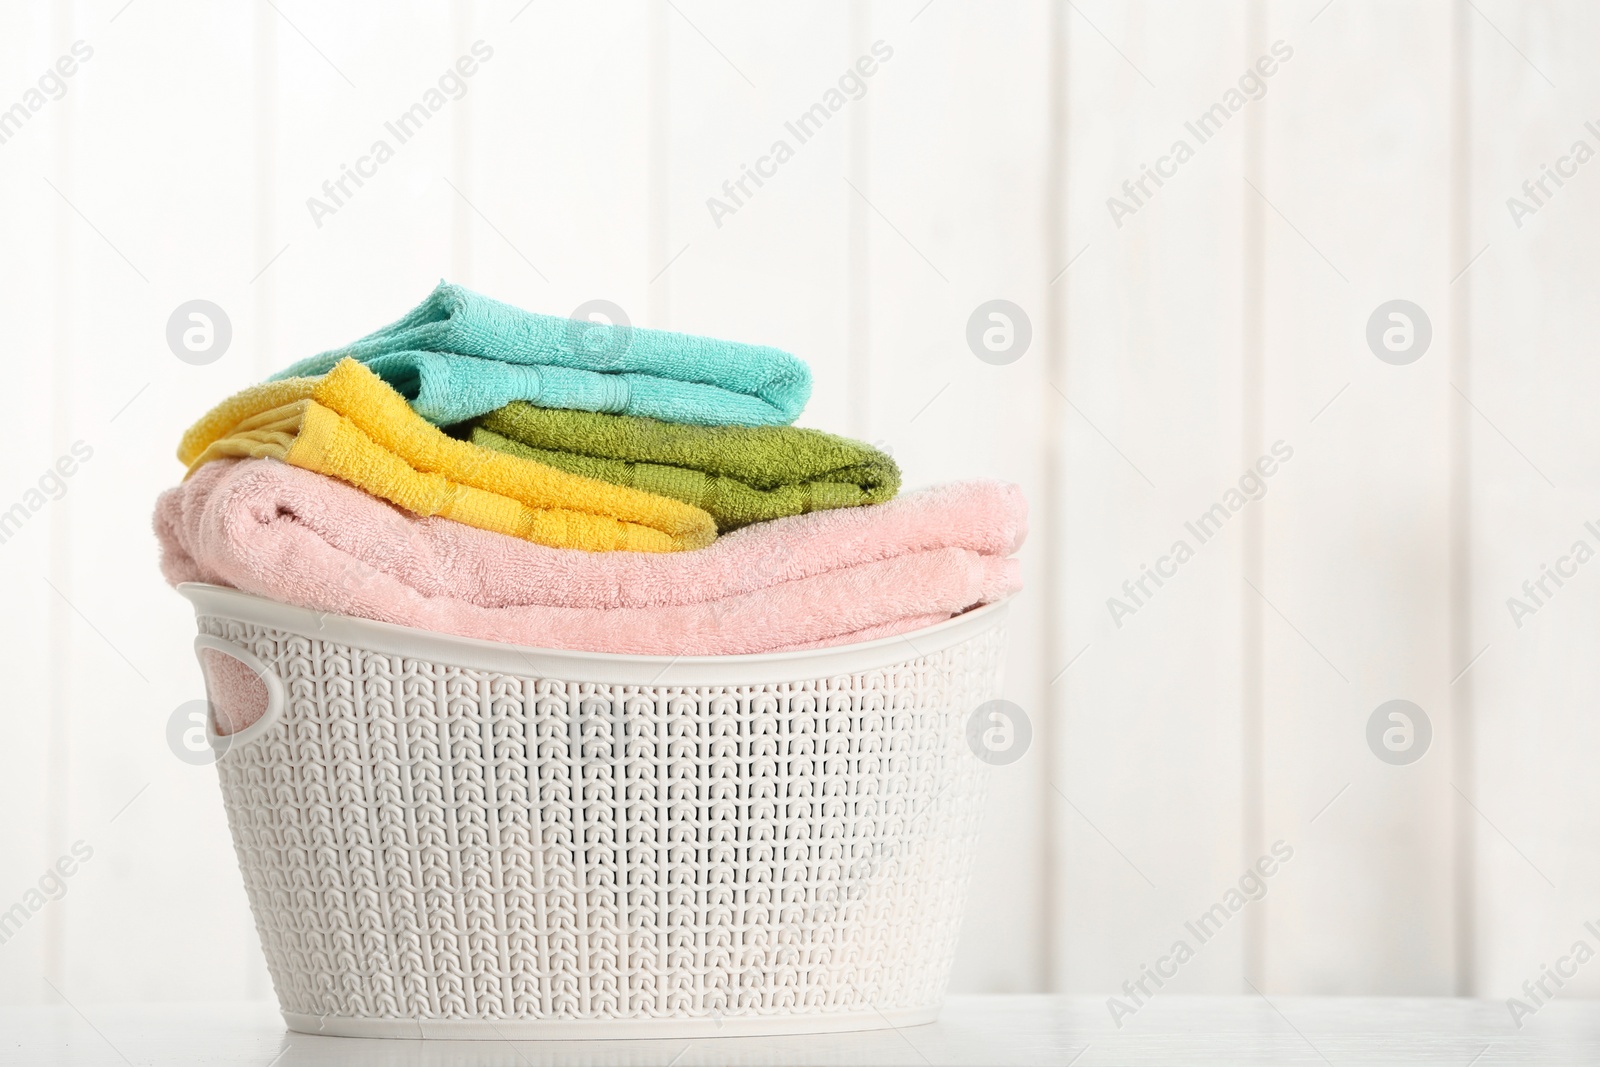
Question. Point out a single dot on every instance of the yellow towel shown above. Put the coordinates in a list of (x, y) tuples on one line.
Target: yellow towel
[(352, 426)]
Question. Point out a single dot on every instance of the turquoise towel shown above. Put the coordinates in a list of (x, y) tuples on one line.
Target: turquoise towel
[(459, 355)]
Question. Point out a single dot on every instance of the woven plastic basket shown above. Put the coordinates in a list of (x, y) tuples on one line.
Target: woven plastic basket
[(450, 838)]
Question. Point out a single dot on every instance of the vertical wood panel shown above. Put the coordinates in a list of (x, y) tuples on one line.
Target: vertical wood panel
[(1050, 502), (1253, 444), (1149, 797), (1463, 750), (32, 765), (1536, 483), (1357, 186), (658, 94), (59, 755)]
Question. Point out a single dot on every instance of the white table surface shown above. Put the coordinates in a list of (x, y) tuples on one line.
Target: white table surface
[(972, 1030)]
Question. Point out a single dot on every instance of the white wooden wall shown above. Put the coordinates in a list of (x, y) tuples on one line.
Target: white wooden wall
[(1168, 354)]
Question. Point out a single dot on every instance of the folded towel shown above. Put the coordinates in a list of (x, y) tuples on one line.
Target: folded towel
[(739, 474), (350, 425), (459, 354), (820, 579)]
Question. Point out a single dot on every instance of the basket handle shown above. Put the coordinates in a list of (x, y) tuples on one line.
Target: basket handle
[(220, 743)]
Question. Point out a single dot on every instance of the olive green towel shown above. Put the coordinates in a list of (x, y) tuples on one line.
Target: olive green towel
[(740, 474)]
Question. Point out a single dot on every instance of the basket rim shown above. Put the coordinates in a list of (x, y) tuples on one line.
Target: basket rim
[(604, 667)]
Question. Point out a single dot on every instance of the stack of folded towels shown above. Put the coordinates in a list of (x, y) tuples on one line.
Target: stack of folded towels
[(484, 471)]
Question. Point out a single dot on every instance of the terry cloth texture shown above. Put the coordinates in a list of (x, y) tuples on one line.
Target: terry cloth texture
[(827, 578), (740, 474), (459, 355), (237, 696), (350, 425)]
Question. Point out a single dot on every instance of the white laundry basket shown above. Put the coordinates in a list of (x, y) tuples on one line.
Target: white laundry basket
[(443, 837)]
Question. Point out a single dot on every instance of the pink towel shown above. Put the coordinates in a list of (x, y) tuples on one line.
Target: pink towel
[(827, 578)]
